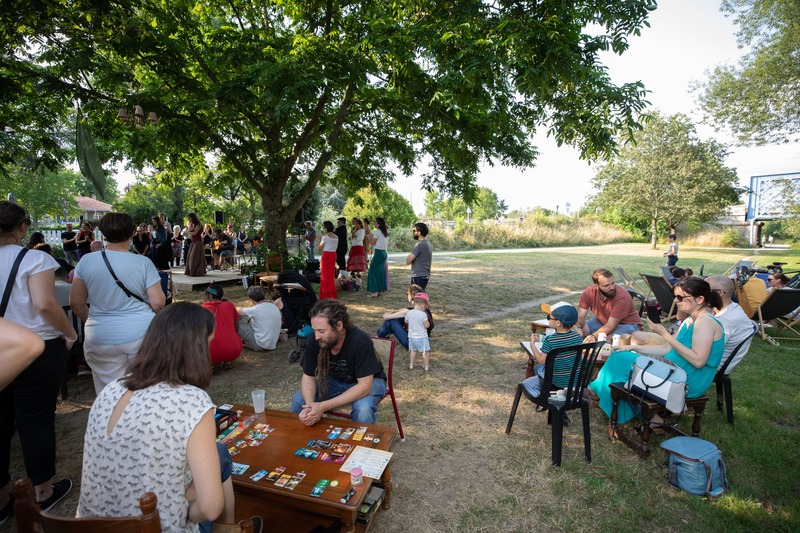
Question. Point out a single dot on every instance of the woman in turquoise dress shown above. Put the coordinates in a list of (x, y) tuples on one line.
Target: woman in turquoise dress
[(697, 348)]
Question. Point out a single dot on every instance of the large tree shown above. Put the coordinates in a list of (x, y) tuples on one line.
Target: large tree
[(297, 91), (758, 98), (667, 175)]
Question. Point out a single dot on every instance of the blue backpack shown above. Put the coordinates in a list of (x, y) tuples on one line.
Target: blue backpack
[(696, 466)]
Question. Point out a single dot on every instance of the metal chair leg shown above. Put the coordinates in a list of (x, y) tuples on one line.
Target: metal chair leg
[(514, 408), (558, 435)]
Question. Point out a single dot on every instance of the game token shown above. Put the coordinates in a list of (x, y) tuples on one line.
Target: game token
[(376, 441), (334, 483)]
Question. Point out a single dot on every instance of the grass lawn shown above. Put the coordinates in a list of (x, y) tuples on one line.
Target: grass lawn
[(458, 471)]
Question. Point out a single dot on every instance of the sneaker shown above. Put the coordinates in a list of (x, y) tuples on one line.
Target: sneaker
[(60, 489), (5, 512)]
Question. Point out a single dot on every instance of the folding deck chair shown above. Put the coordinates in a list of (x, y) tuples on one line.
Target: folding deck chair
[(626, 278), (782, 306), (662, 291)]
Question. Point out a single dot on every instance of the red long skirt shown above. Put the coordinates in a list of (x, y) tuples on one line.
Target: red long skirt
[(327, 276), (357, 261)]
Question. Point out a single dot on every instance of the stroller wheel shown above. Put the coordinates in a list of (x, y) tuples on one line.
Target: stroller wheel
[(294, 356)]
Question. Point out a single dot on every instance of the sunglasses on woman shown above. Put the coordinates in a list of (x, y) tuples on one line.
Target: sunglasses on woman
[(680, 298)]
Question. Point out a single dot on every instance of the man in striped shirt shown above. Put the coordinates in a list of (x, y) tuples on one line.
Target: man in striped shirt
[(561, 317)]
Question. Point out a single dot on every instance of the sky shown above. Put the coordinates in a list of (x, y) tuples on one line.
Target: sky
[(686, 39)]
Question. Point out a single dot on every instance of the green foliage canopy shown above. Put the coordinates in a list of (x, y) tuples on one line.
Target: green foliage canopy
[(667, 175), (285, 92), (386, 203), (485, 205), (758, 98)]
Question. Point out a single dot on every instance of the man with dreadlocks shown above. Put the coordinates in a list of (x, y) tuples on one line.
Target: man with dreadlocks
[(340, 367)]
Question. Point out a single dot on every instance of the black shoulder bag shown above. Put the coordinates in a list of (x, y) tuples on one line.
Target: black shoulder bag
[(121, 285), (10, 283)]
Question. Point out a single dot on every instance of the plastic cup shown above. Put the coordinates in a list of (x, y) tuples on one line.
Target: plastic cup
[(258, 400)]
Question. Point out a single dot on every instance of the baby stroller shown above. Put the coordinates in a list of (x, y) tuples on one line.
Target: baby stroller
[(298, 298)]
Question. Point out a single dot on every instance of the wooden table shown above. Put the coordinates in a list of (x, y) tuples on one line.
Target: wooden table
[(263, 498)]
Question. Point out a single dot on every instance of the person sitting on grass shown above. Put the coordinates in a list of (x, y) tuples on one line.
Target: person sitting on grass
[(394, 321), (561, 317), (417, 322), (226, 345), (260, 325)]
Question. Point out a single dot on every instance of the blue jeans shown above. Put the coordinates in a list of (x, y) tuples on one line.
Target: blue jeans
[(395, 327), (422, 282), (226, 466), (534, 383), (310, 252), (364, 409), (594, 324)]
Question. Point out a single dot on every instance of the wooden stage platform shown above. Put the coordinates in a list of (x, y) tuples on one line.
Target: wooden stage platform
[(184, 283)]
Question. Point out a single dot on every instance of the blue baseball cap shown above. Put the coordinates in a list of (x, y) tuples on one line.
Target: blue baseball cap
[(563, 312)]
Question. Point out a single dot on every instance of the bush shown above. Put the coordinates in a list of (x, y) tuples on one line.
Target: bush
[(731, 238)]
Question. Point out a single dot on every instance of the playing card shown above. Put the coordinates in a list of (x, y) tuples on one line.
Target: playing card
[(259, 475)]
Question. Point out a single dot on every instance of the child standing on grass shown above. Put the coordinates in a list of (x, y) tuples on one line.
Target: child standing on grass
[(418, 325), (561, 317)]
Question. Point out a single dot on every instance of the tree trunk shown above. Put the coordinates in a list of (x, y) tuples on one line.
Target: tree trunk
[(654, 233), (275, 223)]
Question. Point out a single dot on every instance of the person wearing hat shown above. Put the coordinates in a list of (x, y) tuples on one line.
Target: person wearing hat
[(561, 317), (226, 344)]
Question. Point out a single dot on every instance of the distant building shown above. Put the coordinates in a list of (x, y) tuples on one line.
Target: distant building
[(91, 209)]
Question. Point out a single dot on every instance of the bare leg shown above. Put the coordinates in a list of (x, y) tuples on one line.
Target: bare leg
[(425, 360), (411, 356), (44, 490)]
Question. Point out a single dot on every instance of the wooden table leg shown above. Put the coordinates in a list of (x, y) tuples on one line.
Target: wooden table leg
[(386, 479), (698, 413)]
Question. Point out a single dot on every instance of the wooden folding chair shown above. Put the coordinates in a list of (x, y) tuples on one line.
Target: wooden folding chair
[(626, 278), (30, 519), (662, 291), (782, 306), (384, 349)]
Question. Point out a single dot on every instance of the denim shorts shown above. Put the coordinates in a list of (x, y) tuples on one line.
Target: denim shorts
[(419, 345)]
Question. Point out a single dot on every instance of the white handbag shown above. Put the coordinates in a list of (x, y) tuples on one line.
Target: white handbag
[(658, 381)]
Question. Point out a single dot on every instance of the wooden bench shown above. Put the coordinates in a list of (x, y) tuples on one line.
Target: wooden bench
[(649, 410)]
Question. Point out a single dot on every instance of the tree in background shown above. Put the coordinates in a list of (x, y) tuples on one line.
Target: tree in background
[(667, 176), (485, 205), (386, 203), (296, 92), (758, 98)]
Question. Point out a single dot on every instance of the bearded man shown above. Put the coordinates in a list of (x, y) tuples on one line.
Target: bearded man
[(611, 305), (340, 367)]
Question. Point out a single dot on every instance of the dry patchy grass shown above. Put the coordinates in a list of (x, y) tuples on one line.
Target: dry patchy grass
[(458, 471)]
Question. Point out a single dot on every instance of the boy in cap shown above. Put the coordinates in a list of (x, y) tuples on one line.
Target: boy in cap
[(561, 317)]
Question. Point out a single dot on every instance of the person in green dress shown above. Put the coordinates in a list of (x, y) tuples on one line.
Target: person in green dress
[(697, 347)]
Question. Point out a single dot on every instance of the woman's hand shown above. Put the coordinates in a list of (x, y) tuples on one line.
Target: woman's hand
[(658, 328)]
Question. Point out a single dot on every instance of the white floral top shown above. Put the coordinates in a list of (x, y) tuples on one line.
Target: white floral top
[(145, 452)]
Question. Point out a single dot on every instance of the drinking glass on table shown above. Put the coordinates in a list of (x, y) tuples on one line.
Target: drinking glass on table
[(258, 400)]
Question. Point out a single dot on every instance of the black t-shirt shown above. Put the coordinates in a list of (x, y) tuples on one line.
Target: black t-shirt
[(225, 243), (341, 232), (357, 359), (70, 246)]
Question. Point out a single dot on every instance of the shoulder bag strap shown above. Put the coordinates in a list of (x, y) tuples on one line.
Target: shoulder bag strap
[(10, 283), (121, 285)]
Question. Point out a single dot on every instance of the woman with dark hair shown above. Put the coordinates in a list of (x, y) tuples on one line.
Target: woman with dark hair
[(227, 345), (357, 260), (154, 431), (161, 245), (84, 239), (196, 258), (327, 263), (36, 239), (672, 252), (28, 403), (376, 279), (777, 281), (117, 318), (697, 347), (141, 241)]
